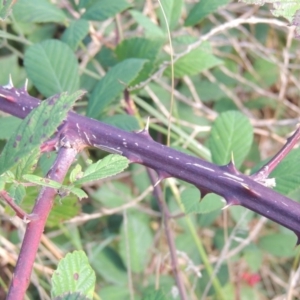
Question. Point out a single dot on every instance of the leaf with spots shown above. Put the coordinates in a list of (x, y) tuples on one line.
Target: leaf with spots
[(73, 275), (231, 133), (36, 128), (108, 166)]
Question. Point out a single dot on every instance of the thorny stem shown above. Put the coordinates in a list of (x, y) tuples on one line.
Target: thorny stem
[(35, 227), (138, 147), (170, 238), (265, 171)]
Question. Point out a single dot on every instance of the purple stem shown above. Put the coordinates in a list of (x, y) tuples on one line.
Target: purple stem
[(172, 248), (35, 227), (138, 147)]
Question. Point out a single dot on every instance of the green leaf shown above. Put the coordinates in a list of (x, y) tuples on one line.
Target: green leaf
[(113, 292), (42, 181), (36, 128), (27, 163), (109, 265), (201, 9), (155, 295), (38, 11), (135, 242), (73, 274), (278, 244), (52, 67), (71, 296), (151, 29), (195, 62), (190, 198), (287, 174), (108, 166), (78, 192), (5, 8), (17, 192), (102, 10), (9, 66), (125, 122), (113, 84), (8, 125), (75, 33), (63, 209), (231, 133), (140, 48), (172, 9)]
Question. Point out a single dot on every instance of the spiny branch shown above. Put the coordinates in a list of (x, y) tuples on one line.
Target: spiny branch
[(138, 147)]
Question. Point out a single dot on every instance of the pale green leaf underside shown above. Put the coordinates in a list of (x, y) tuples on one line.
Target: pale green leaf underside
[(108, 166), (112, 84), (73, 274), (5, 8), (52, 67), (102, 10), (141, 48), (231, 133), (202, 9), (287, 174), (75, 33), (38, 11), (151, 29), (36, 128), (195, 62), (135, 241)]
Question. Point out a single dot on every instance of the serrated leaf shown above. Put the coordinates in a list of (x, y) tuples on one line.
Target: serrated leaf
[(140, 48), (287, 174), (134, 233), (151, 29), (17, 192), (172, 10), (102, 10), (195, 62), (278, 244), (231, 133), (112, 84), (202, 9), (5, 8), (52, 67), (73, 274), (108, 166), (75, 33), (42, 181), (36, 128), (38, 11)]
